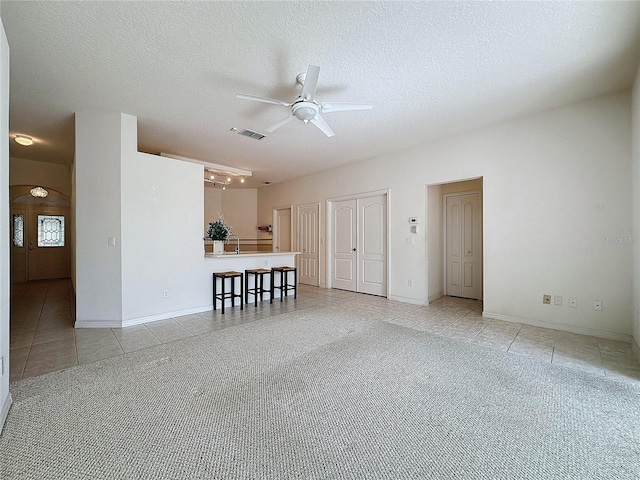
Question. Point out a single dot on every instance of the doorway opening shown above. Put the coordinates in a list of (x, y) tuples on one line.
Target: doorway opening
[(308, 243), (282, 229), (454, 239), (40, 235)]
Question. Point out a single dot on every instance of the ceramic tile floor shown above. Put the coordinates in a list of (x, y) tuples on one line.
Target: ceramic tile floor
[(43, 338)]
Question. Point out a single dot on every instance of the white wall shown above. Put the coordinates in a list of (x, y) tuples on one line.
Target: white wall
[(32, 172), (5, 281), (636, 216), (162, 246), (98, 272), (556, 208)]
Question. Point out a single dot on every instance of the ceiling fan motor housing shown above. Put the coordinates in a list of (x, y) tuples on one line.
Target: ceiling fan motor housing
[(305, 110)]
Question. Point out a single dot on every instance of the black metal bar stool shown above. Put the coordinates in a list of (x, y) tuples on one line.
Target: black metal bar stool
[(258, 284), (284, 286), (223, 295)]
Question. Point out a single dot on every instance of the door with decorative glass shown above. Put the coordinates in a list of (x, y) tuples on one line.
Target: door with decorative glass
[(48, 246)]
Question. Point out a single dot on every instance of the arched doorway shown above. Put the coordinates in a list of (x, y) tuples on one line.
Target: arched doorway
[(40, 235)]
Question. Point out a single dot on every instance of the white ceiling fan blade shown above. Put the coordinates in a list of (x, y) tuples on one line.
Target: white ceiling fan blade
[(328, 107), (263, 99), (310, 82), (319, 122), (275, 126)]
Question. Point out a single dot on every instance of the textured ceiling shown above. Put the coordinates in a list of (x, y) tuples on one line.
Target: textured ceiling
[(429, 68)]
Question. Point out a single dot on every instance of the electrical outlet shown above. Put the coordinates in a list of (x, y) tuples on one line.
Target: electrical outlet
[(597, 305), (557, 300), (546, 299), (410, 283), (573, 302), (165, 293)]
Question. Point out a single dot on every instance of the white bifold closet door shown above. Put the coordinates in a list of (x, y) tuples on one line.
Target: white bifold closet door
[(359, 245)]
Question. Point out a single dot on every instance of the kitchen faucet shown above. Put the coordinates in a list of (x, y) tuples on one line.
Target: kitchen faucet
[(237, 250)]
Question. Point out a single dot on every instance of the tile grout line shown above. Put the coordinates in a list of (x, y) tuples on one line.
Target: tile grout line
[(514, 339)]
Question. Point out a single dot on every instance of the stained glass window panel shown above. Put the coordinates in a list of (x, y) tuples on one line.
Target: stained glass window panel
[(18, 230), (50, 231)]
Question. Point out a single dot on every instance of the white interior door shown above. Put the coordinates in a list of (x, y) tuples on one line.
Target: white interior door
[(463, 241), (371, 253), (282, 233), (343, 255), (308, 221)]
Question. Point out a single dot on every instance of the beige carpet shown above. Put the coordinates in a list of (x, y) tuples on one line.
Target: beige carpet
[(317, 394)]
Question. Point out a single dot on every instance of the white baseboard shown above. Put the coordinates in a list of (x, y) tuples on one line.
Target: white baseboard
[(413, 301), (560, 326), (179, 313), (164, 316), (5, 410), (97, 324)]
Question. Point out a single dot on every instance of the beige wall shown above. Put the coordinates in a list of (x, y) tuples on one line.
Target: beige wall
[(239, 206), (212, 205), (48, 175)]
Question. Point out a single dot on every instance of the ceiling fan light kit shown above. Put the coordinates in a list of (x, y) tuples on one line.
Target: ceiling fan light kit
[(306, 108)]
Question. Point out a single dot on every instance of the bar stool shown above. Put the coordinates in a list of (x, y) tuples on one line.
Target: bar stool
[(224, 294), (284, 286), (258, 284)]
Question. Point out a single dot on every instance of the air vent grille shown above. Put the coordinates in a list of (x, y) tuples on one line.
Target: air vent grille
[(251, 134)]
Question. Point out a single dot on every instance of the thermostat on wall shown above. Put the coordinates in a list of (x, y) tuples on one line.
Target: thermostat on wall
[(414, 220)]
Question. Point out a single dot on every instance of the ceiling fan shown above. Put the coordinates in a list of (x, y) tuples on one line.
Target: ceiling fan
[(306, 108)]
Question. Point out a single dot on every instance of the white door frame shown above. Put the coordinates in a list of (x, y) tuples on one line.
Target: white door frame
[(276, 232), (329, 230), (444, 236)]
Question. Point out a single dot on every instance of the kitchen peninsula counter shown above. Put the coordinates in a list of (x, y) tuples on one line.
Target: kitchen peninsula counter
[(246, 260)]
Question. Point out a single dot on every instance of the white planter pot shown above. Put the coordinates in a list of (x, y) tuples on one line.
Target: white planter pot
[(218, 247)]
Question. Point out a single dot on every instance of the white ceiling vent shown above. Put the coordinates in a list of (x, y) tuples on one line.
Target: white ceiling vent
[(251, 134)]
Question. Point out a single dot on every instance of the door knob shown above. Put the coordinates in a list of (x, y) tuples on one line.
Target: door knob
[(353, 249)]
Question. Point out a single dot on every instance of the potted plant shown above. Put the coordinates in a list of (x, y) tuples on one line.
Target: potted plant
[(218, 232)]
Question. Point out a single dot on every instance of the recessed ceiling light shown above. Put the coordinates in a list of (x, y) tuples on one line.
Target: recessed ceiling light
[(24, 140)]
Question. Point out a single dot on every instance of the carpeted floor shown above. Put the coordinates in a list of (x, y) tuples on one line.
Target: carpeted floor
[(317, 394)]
